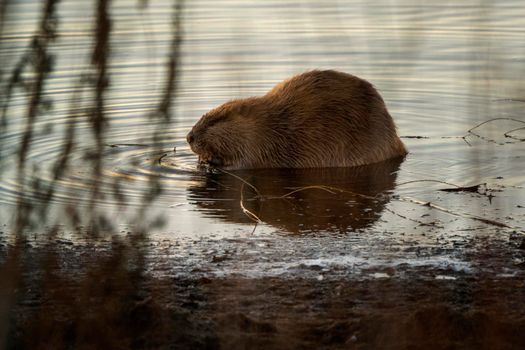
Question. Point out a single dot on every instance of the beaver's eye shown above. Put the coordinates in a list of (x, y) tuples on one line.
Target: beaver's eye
[(213, 121)]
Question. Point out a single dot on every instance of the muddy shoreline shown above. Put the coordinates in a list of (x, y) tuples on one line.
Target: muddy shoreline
[(67, 295)]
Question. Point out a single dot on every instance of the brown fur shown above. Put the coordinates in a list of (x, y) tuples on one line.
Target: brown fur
[(315, 119)]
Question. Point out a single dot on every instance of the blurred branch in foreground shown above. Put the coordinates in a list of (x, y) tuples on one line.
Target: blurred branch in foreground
[(97, 295)]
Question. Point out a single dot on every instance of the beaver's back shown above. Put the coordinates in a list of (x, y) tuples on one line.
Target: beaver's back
[(331, 118)]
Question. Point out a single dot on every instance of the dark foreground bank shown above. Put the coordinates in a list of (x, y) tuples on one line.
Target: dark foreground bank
[(92, 296)]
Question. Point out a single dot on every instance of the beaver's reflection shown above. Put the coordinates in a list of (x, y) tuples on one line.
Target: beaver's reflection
[(313, 209)]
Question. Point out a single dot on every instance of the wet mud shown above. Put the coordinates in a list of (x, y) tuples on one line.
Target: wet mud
[(118, 294)]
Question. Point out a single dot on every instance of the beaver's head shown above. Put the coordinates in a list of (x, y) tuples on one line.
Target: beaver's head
[(224, 136)]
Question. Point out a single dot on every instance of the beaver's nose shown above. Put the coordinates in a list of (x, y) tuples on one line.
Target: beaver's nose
[(190, 137)]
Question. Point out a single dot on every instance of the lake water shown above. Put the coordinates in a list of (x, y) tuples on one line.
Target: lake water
[(442, 69)]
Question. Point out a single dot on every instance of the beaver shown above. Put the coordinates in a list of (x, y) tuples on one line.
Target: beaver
[(321, 118)]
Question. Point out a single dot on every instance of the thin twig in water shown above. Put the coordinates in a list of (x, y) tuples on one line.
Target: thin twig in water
[(332, 190), (414, 220), (429, 137), (473, 188), (472, 133), (414, 137), (321, 187), (161, 157), (494, 119), (465, 139), (113, 145), (463, 215), (471, 130), (508, 100), (247, 212), (240, 179), (409, 199), (428, 180), (507, 134)]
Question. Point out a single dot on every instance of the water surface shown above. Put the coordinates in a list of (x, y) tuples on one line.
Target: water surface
[(442, 69)]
